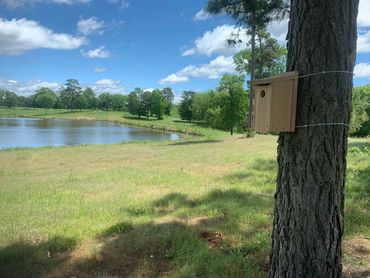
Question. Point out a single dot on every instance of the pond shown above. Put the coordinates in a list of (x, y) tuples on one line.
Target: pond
[(31, 132)]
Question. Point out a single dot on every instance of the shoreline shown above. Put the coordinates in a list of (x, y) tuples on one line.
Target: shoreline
[(122, 121)]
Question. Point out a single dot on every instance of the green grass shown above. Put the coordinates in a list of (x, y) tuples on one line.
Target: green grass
[(189, 208)]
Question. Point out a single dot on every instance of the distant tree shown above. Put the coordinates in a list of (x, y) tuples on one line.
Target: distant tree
[(203, 102), (45, 98), (270, 57), (145, 103), (186, 105), (133, 104), (158, 104), (88, 99), (169, 96), (235, 101), (21, 101), (30, 101), (71, 95), (119, 102), (2, 97), (59, 104), (10, 99), (104, 101)]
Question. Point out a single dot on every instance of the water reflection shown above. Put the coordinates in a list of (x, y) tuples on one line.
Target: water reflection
[(24, 132)]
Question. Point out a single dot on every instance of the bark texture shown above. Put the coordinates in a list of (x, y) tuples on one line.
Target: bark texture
[(308, 216)]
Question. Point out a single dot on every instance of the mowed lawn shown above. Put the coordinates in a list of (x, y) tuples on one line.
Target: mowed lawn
[(191, 208)]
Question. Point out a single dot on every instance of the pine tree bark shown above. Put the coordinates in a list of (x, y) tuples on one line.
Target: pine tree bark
[(308, 216)]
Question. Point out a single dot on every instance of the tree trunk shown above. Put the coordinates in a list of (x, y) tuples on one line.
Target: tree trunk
[(260, 73), (308, 216), (253, 67)]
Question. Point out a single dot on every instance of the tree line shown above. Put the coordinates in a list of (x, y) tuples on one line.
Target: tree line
[(73, 97), (144, 103)]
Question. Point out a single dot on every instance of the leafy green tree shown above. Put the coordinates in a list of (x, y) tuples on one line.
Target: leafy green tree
[(214, 116), (158, 104), (169, 96), (2, 97), (204, 102), (234, 102), (88, 99), (21, 101), (270, 57), (133, 105), (360, 122), (145, 103), (119, 102), (45, 98), (10, 99), (71, 95), (105, 101), (186, 105), (30, 101), (59, 104)]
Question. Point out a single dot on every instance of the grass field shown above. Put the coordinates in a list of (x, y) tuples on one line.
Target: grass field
[(201, 207)]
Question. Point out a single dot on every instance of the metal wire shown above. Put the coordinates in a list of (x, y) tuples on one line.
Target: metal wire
[(318, 73), (326, 72), (323, 124)]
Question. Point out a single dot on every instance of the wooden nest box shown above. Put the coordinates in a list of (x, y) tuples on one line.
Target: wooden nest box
[(275, 102)]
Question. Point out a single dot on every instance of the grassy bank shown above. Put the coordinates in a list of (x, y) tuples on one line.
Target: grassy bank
[(169, 124), (187, 208)]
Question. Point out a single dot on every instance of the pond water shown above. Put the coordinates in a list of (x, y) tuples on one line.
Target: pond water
[(27, 132)]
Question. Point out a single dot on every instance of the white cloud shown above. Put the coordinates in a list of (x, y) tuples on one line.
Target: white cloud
[(100, 69), (124, 4), (21, 35), (363, 42), (99, 52), (90, 26), (173, 79), (202, 15), (188, 52), (362, 70), (27, 88), (278, 30), (213, 70), (13, 4), (108, 86), (215, 41), (363, 19), (148, 90)]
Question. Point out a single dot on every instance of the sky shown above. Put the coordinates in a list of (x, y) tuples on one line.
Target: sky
[(117, 45)]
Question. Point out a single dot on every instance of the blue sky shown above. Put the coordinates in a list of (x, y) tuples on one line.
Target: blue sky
[(117, 45)]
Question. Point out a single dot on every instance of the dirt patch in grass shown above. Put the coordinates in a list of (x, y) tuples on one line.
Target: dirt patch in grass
[(356, 262), (214, 239)]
